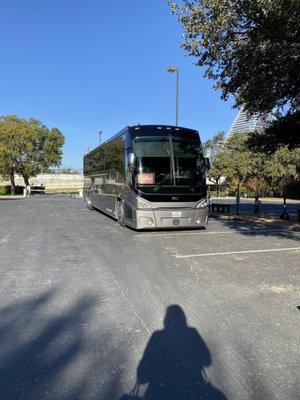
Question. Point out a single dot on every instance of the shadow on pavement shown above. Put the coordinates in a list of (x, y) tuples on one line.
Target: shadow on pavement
[(173, 364), (45, 356), (257, 227)]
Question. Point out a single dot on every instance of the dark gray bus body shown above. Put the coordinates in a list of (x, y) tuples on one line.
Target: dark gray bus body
[(149, 177)]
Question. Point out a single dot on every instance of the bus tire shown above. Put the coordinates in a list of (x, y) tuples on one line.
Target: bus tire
[(121, 216)]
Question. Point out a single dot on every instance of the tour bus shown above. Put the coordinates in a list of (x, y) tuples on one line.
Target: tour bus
[(149, 177)]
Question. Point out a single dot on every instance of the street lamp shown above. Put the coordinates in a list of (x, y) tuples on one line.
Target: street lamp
[(100, 136), (172, 69)]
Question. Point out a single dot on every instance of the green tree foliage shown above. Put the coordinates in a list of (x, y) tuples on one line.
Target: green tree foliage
[(256, 170), (27, 147), (213, 148), (281, 168), (239, 159), (251, 48), (278, 148), (13, 134), (218, 169), (215, 144)]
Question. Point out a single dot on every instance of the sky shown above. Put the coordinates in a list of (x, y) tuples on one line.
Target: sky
[(89, 65)]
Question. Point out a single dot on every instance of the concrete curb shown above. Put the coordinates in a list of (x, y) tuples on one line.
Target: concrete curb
[(18, 197)]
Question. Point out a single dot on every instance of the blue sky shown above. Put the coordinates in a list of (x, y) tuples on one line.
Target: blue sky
[(90, 65)]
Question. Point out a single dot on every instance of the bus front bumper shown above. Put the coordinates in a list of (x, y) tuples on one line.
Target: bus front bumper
[(166, 219)]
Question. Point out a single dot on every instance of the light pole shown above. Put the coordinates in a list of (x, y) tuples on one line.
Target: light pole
[(100, 136), (172, 69)]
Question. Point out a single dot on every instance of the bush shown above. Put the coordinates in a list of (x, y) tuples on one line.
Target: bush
[(6, 190), (3, 190)]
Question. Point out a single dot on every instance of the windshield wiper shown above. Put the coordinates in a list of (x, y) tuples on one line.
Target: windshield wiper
[(155, 189)]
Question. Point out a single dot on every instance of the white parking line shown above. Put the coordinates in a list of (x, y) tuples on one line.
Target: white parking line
[(225, 253), (154, 234)]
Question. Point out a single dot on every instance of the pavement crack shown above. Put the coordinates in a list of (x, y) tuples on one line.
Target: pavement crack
[(130, 305)]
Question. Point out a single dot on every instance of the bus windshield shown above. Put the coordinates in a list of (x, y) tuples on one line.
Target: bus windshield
[(168, 161)]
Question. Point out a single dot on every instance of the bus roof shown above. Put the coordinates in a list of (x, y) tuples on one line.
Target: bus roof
[(159, 128)]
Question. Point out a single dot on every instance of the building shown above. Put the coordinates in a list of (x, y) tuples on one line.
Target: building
[(244, 123)]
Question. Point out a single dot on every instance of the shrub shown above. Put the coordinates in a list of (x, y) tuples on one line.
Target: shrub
[(6, 190), (3, 190)]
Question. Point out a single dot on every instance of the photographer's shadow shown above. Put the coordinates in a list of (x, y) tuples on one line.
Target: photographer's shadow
[(173, 364)]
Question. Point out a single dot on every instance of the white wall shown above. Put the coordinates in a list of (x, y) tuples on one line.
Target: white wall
[(72, 181)]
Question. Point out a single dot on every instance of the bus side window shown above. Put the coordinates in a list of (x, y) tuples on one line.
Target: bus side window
[(128, 174), (114, 167)]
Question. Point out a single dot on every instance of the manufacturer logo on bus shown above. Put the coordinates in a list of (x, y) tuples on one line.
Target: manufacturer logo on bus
[(174, 197)]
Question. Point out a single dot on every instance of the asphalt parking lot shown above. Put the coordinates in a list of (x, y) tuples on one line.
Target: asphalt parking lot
[(90, 310)]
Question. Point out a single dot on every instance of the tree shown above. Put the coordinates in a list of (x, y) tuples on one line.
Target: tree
[(253, 168), (251, 48), (13, 134), (43, 150), (215, 144), (219, 168), (281, 167), (230, 158), (258, 180), (257, 169), (27, 146), (213, 148), (239, 160), (278, 148)]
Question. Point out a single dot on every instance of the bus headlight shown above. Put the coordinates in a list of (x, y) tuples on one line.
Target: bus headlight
[(141, 203), (146, 221), (202, 204)]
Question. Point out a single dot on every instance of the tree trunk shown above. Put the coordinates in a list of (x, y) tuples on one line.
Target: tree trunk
[(26, 180), (218, 188), (12, 182), (238, 199)]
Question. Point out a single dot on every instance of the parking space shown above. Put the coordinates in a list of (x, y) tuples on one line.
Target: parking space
[(81, 298), (216, 241)]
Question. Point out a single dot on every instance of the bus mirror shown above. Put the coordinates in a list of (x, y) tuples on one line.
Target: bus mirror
[(131, 161), (207, 163)]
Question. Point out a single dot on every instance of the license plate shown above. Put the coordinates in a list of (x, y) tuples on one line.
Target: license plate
[(176, 214)]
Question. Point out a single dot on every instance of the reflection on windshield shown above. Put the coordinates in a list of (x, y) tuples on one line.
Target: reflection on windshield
[(168, 161)]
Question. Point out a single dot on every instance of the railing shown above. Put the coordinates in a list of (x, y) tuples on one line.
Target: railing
[(33, 189), (220, 207)]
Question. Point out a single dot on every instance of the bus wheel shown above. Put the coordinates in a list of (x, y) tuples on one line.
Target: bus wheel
[(89, 204), (121, 216)]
